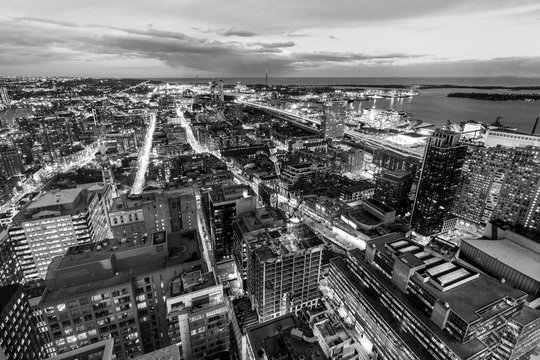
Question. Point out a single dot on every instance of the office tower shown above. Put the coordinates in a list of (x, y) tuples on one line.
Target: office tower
[(298, 177), (152, 211), (199, 315), (225, 204), (18, 336), (408, 303), (57, 220), (284, 269), (115, 288), (251, 227), (10, 268), (4, 96), (333, 123), (439, 177), (10, 162), (500, 183), (392, 188)]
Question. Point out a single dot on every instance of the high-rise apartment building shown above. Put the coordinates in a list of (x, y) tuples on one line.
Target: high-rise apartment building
[(115, 288), (225, 204), (199, 316), (152, 211), (11, 163), (439, 177), (333, 124), (406, 302), (500, 183), (4, 96), (10, 269), (57, 220), (19, 338), (251, 227), (393, 188), (284, 269)]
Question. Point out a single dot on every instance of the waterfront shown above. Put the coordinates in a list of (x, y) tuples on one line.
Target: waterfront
[(432, 105)]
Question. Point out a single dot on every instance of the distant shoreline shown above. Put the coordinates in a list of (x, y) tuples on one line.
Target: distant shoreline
[(496, 97)]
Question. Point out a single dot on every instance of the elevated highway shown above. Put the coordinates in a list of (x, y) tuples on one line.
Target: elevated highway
[(313, 125)]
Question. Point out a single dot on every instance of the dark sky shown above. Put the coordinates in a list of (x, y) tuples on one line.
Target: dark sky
[(176, 38)]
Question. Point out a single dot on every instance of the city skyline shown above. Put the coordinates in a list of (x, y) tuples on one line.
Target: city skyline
[(347, 38)]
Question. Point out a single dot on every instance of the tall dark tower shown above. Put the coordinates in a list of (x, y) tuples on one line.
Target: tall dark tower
[(443, 159), (266, 79)]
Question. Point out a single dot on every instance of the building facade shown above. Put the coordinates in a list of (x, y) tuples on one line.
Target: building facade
[(225, 204), (113, 289), (500, 183), (284, 269), (439, 177), (18, 336), (55, 221), (411, 304), (199, 314), (393, 188)]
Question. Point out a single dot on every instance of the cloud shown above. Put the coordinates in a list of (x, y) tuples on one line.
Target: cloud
[(46, 21), (275, 44), (227, 32)]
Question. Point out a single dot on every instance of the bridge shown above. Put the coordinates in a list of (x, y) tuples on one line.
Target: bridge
[(311, 125)]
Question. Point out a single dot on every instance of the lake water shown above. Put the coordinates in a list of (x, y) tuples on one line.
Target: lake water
[(432, 105)]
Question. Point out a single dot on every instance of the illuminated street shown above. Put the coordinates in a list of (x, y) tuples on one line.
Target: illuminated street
[(144, 157)]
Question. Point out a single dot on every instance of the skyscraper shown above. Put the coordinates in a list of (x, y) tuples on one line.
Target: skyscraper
[(392, 188), (57, 220), (115, 288), (500, 183), (4, 96), (199, 315), (10, 162), (284, 269), (439, 177), (333, 124), (226, 203), (18, 336)]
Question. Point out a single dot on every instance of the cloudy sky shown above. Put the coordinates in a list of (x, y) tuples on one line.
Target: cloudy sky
[(181, 38)]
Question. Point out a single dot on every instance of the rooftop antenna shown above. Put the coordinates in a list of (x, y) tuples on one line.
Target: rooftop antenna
[(534, 127)]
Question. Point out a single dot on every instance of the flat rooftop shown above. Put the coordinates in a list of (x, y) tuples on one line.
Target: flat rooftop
[(231, 192), (472, 292), (464, 351), (56, 198), (283, 242), (92, 252), (514, 255), (279, 338)]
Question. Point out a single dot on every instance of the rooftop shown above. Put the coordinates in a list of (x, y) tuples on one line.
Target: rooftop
[(283, 242), (171, 352), (190, 282), (464, 351), (56, 198), (102, 350), (466, 291), (516, 256), (284, 337), (231, 192)]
